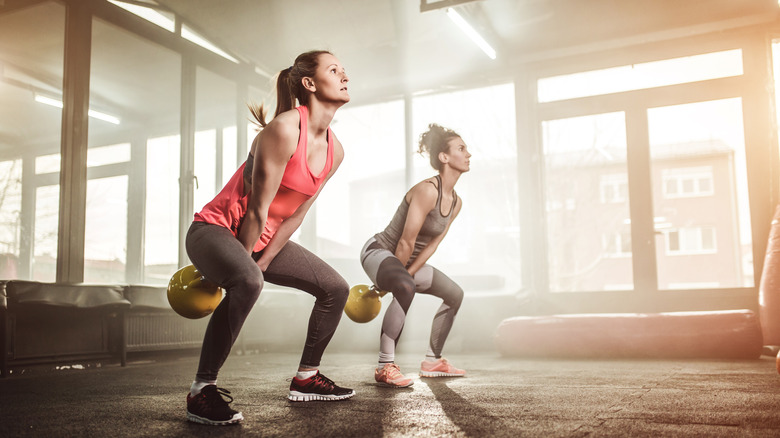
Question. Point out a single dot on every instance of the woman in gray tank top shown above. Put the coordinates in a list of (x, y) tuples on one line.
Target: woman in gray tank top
[(395, 259)]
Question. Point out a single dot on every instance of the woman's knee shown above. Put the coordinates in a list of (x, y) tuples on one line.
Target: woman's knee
[(455, 297), (393, 277), (249, 285), (334, 291), (340, 291), (403, 289), (405, 286), (449, 291), (399, 285)]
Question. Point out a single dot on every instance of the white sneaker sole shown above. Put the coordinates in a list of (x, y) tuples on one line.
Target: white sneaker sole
[(439, 374), (237, 418), (303, 397)]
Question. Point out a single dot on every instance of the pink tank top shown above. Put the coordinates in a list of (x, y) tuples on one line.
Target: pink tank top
[(298, 184)]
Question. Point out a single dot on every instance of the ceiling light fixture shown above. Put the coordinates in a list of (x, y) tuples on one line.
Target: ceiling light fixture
[(191, 35), (148, 14), (92, 113), (167, 20), (473, 34)]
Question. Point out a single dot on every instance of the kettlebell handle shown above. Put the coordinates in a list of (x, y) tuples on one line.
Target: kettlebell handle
[(377, 291), (196, 282)]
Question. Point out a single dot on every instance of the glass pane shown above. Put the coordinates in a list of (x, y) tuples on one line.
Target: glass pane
[(44, 264), (47, 163), (145, 98), (31, 65), (215, 139), (485, 239), (100, 156), (205, 167), (229, 155), (105, 247), (361, 197), (641, 76), (703, 224), (161, 240), (10, 217), (588, 218)]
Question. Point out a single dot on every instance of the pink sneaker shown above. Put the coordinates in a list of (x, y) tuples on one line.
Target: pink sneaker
[(440, 368), (391, 375)]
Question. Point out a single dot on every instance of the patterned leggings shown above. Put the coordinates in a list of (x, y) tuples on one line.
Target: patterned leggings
[(221, 258), (389, 274)]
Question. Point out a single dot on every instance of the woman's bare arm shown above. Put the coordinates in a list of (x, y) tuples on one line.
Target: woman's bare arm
[(272, 149)]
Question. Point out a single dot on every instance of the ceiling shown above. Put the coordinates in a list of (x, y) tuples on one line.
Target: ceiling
[(389, 48)]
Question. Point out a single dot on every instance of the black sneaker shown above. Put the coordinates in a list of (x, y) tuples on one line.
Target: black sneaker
[(208, 407), (317, 387)]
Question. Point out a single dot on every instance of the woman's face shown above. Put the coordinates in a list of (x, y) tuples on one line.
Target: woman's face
[(330, 80), (457, 155)]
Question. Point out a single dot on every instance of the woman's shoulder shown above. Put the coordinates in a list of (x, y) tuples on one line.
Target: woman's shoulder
[(289, 119), (425, 190), (283, 130), (284, 126)]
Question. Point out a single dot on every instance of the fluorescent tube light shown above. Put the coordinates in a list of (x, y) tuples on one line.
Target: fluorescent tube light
[(148, 14), (48, 101), (92, 113), (473, 34), (189, 34), (103, 116)]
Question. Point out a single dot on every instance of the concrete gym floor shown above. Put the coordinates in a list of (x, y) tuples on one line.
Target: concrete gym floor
[(498, 397)]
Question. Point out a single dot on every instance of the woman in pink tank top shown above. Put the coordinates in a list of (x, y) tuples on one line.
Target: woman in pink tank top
[(241, 238)]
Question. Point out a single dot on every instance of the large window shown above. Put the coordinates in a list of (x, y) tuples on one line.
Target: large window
[(10, 216), (676, 181), (586, 181), (132, 224), (46, 199), (161, 230), (215, 135), (44, 263), (31, 65), (105, 247), (642, 76), (700, 197), (132, 160)]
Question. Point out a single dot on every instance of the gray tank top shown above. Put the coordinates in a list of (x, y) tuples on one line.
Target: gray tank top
[(435, 224)]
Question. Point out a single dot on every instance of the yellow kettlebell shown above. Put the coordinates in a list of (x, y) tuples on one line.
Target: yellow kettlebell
[(191, 295), (363, 303)]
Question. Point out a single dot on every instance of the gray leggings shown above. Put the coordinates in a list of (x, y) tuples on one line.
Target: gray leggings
[(389, 274), (221, 258)]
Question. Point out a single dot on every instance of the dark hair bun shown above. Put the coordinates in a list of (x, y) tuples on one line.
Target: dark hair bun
[(433, 141)]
